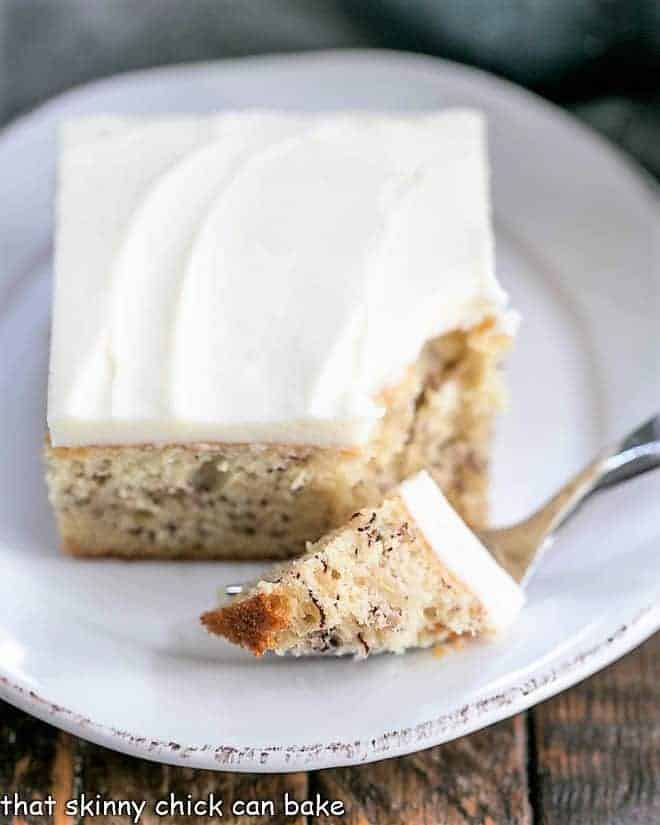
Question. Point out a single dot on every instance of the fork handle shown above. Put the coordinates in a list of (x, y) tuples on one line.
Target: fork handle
[(520, 547), (637, 453)]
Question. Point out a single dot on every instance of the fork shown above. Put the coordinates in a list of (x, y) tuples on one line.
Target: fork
[(520, 547)]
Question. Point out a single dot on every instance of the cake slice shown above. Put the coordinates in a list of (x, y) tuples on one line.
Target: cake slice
[(407, 573), (264, 321)]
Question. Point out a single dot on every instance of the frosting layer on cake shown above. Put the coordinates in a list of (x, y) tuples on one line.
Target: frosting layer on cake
[(461, 552), (259, 276)]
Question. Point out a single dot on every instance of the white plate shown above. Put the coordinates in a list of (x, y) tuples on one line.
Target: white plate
[(113, 652)]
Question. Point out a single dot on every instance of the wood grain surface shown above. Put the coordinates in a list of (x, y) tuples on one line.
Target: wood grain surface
[(590, 756), (597, 747), (477, 779)]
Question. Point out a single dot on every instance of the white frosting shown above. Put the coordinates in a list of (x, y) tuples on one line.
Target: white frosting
[(461, 552), (259, 276)]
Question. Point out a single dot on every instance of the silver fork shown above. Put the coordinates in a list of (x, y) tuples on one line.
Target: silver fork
[(520, 547)]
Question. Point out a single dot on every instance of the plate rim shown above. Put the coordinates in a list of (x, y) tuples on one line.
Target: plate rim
[(493, 707), (617, 154), (474, 715)]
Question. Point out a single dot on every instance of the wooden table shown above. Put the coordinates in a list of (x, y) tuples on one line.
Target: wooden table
[(590, 756)]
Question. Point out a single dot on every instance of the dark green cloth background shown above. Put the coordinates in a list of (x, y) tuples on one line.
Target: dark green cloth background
[(600, 58)]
